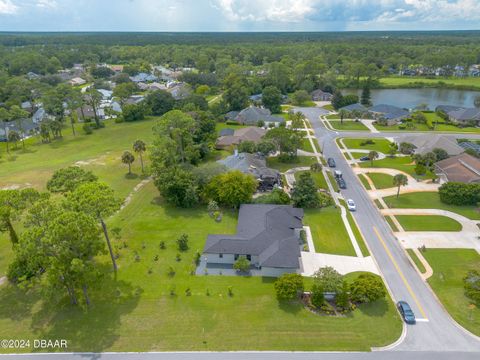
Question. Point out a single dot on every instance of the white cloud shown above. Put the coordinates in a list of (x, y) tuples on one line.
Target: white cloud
[(47, 4), (7, 7)]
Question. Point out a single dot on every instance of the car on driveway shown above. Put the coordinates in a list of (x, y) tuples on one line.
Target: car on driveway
[(331, 162), (406, 312), (351, 205), (364, 158)]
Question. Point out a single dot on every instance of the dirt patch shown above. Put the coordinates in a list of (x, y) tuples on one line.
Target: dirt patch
[(3, 280), (97, 161), (136, 189), (16, 186)]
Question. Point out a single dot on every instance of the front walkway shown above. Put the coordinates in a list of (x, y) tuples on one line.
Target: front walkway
[(369, 124)]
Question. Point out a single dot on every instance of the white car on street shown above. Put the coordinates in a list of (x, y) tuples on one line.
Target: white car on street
[(351, 205)]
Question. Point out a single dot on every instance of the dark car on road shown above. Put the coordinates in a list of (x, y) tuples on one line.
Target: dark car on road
[(331, 162), (341, 183), (406, 312)]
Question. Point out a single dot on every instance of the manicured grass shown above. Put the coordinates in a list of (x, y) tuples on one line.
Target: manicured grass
[(136, 312), (390, 222), (429, 200), (428, 223), (328, 107), (328, 231), (317, 145), (378, 203), (333, 182), (348, 125), (358, 234), (380, 180), (300, 161), (402, 163), (357, 155), (469, 82), (306, 146), (450, 266), (317, 177), (416, 260), (380, 145), (416, 127), (364, 181)]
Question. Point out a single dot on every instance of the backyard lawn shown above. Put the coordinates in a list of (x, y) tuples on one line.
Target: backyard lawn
[(328, 231), (428, 223), (137, 311), (317, 177), (380, 145), (429, 200), (450, 266), (348, 125), (380, 180)]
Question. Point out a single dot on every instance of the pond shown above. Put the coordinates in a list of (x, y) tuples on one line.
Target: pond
[(410, 98)]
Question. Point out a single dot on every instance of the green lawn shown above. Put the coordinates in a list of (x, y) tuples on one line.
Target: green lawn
[(429, 200), (450, 266), (300, 161), (358, 234), (390, 222), (364, 181), (416, 260), (348, 125), (317, 177), (468, 82), (333, 182), (402, 163), (380, 145), (306, 146), (328, 231), (380, 180), (329, 107), (416, 127), (428, 223), (136, 312)]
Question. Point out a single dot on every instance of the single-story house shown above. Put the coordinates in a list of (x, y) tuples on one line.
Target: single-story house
[(354, 107), (447, 108), (26, 128), (106, 94), (470, 145), (86, 112), (256, 98), (253, 114), (425, 143), (463, 168), (392, 114), (39, 115), (27, 106), (255, 165), (143, 77), (77, 81), (226, 132), (320, 95), (251, 133), (231, 115), (135, 99), (180, 91), (267, 235), (464, 115)]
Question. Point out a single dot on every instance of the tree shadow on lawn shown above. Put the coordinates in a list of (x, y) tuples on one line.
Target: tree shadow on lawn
[(17, 303), (88, 329), (377, 309), (131, 176)]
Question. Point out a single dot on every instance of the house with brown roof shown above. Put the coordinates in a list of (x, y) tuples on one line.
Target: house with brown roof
[(251, 133), (462, 168)]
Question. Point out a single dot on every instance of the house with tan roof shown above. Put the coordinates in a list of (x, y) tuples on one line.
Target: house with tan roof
[(462, 168), (251, 133)]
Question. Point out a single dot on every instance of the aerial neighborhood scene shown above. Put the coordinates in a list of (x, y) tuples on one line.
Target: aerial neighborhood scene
[(240, 179)]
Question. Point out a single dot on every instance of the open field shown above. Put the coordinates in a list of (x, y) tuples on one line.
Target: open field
[(380, 145), (428, 223), (450, 266), (469, 82), (328, 231), (137, 313), (429, 200), (348, 125)]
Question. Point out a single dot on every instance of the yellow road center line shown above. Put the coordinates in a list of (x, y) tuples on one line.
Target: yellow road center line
[(400, 272)]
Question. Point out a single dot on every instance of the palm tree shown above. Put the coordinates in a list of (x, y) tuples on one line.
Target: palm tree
[(372, 155), (140, 147), (128, 158), (392, 149), (400, 180), (343, 114)]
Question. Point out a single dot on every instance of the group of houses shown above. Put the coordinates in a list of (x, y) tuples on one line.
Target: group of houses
[(448, 70)]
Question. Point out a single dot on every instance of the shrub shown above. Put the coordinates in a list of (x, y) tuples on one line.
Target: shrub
[(454, 193), (317, 297), (328, 279), (472, 286), (87, 128), (188, 292), (242, 264), (182, 242), (367, 288), (289, 286), (316, 167), (277, 196), (420, 169), (230, 291), (303, 236)]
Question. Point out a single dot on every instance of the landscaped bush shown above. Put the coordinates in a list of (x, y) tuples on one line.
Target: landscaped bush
[(472, 286), (289, 286), (367, 288), (87, 128), (420, 169), (454, 193)]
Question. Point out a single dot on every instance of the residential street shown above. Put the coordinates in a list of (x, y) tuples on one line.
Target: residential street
[(435, 330)]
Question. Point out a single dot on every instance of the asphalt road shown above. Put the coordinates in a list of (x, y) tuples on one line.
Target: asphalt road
[(256, 356), (435, 330)]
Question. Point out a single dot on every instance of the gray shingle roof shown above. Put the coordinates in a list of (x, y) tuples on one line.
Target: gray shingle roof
[(266, 231), (352, 107), (389, 111), (253, 164), (427, 142), (465, 114), (252, 115)]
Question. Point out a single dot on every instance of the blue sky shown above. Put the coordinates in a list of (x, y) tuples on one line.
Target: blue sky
[(238, 15)]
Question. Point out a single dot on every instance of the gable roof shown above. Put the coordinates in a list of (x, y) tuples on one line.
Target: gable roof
[(447, 108), (461, 168), (465, 114), (352, 107), (389, 111), (427, 142), (251, 133), (252, 164), (253, 114), (266, 231)]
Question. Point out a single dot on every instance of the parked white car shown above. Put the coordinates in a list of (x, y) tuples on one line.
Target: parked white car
[(351, 205)]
